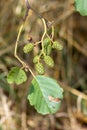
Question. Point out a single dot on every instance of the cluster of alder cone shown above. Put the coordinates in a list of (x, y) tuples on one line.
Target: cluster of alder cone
[(44, 54)]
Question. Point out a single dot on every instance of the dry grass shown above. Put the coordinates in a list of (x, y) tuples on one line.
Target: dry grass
[(70, 65)]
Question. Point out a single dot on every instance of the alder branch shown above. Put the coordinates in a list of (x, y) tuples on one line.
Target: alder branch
[(27, 10)]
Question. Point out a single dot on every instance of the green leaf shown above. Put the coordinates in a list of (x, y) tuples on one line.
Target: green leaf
[(16, 75), (45, 95), (81, 6)]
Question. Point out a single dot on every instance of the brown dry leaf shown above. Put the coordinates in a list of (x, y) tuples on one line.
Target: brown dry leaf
[(52, 99)]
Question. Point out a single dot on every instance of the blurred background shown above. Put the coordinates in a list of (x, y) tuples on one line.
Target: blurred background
[(70, 65)]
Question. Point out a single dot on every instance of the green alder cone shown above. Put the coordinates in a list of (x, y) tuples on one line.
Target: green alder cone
[(48, 49), (27, 48), (40, 68), (46, 42), (57, 45), (35, 59), (49, 61)]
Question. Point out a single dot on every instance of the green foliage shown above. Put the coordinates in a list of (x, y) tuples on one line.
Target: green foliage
[(81, 6), (28, 47), (49, 61), (45, 95), (16, 75)]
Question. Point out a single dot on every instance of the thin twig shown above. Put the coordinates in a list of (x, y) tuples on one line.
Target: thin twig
[(24, 65), (76, 45), (27, 9), (52, 32), (45, 31), (16, 44), (73, 91)]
